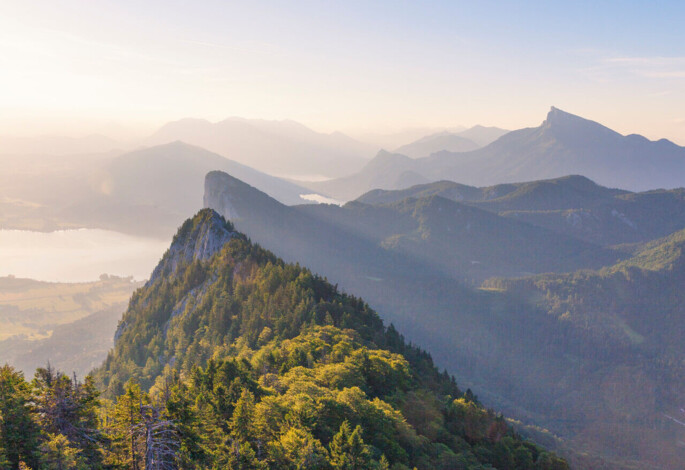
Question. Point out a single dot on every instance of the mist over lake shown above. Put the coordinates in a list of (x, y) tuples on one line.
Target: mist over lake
[(77, 255)]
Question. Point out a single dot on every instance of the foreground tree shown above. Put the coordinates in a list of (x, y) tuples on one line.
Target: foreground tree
[(68, 408), (161, 439), (128, 446), (18, 428)]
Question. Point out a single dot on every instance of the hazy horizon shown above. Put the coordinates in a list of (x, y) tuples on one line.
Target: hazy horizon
[(125, 69)]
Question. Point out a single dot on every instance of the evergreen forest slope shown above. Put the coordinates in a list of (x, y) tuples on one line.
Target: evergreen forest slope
[(636, 308), (265, 364)]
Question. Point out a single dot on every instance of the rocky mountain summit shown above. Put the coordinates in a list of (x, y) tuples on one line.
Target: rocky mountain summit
[(198, 239)]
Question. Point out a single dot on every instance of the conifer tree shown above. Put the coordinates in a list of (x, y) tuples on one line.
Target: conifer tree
[(161, 439), (128, 446), (383, 463), (347, 449), (180, 410), (59, 454), (18, 428), (68, 408), (338, 447), (243, 414)]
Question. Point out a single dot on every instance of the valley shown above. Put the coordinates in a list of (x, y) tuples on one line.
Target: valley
[(70, 325)]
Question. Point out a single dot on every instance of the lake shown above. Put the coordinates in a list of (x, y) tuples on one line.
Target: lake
[(77, 255)]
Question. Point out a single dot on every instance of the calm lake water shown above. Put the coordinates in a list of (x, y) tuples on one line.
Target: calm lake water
[(77, 255)]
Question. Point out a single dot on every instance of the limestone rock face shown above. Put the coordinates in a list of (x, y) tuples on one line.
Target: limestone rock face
[(198, 239)]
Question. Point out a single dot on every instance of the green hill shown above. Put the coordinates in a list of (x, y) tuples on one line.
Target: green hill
[(265, 358), (635, 309)]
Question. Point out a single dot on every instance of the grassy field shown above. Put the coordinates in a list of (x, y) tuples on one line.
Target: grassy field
[(32, 309)]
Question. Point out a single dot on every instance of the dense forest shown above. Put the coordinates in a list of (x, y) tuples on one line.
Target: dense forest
[(231, 358), (634, 309)]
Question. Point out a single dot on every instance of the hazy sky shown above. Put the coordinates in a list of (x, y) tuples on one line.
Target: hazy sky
[(77, 66)]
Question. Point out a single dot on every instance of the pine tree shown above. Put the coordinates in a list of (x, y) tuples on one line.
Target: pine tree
[(59, 454), (383, 463), (243, 414), (180, 410), (359, 454), (18, 428), (242, 457), (297, 449), (128, 447), (162, 441), (68, 408), (338, 447), (347, 449)]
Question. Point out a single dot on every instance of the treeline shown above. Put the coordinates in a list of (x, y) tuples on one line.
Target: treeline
[(322, 400)]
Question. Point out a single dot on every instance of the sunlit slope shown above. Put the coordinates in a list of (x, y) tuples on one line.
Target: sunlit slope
[(238, 324)]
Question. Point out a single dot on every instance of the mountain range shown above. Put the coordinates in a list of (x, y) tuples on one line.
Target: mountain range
[(282, 148), (466, 243), (463, 141), (559, 300), (571, 205), (164, 182), (563, 144), (401, 251), (144, 192)]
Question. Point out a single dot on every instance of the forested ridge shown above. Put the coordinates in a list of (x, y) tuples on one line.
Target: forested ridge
[(628, 327), (231, 358)]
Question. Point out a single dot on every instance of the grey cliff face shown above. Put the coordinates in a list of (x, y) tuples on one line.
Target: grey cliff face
[(198, 239)]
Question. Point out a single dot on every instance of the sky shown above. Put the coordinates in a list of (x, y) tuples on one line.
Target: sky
[(76, 67)]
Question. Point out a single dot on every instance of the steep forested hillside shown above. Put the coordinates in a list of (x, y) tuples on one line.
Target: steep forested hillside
[(258, 363), (636, 309)]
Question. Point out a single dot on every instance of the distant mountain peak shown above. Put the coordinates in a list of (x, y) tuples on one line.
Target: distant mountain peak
[(570, 127), (556, 117)]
